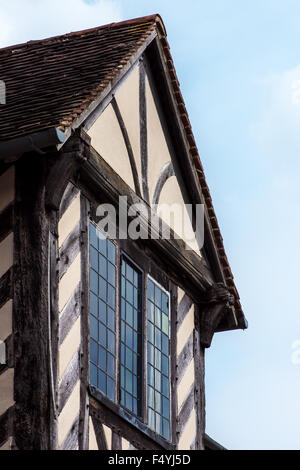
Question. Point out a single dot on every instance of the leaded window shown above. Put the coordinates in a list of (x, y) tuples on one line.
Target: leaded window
[(131, 332), (126, 321), (102, 312), (158, 368)]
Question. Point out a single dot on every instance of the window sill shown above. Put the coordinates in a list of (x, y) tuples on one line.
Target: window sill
[(133, 420)]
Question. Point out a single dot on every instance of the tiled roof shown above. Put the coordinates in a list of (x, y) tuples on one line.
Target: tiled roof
[(51, 82)]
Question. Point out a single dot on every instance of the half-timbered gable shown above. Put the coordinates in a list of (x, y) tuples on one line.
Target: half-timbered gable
[(103, 337)]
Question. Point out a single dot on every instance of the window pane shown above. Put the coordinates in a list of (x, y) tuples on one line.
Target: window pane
[(129, 358), (165, 324), (111, 318), (111, 365), (103, 267), (150, 332), (102, 289), (166, 408), (150, 354), (158, 358), (94, 258), (157, 380), (157, 317), (158, 296), (102, 358), (151, 397), (102, 313), (150, 290), (150, 311), (94, 282), (165, 365), (157, 423), (94, 327), (111, 252), (110, 388), (151, 419), (93, 375), (166, 429), (111, 274), (165, 344), (130, 329), (129, 273), (165, 386), (94, 304), (111, 342), (102, 246), (158, 402), (165, 303), (102, 335), (150, 375), (111, 296), (94, 351), (129, 292), (129, 314), (102, 381), (158, 338), (93, 236)]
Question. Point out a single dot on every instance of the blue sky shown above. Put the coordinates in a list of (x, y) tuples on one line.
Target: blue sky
[(239, 68)]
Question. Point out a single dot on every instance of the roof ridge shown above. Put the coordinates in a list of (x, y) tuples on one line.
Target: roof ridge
[(155, 18)]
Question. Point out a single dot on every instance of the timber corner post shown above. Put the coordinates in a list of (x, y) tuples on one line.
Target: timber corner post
[(31, 306)]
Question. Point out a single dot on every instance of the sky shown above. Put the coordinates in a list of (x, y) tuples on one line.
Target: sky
[(239, 68)]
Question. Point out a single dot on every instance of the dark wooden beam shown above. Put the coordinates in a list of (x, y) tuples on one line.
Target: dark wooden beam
[(85, 327), (68, 382), (199, 361), (113, 419), (71, 440), (128, 147), (69, 315), (143, 131), (30, 307), (69, 251)]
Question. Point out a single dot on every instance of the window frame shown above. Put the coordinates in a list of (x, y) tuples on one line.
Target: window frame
[(168, 293), (141, 336), (135, 253)]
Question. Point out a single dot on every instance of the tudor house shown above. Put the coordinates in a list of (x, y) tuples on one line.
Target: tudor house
[(102, 339)]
